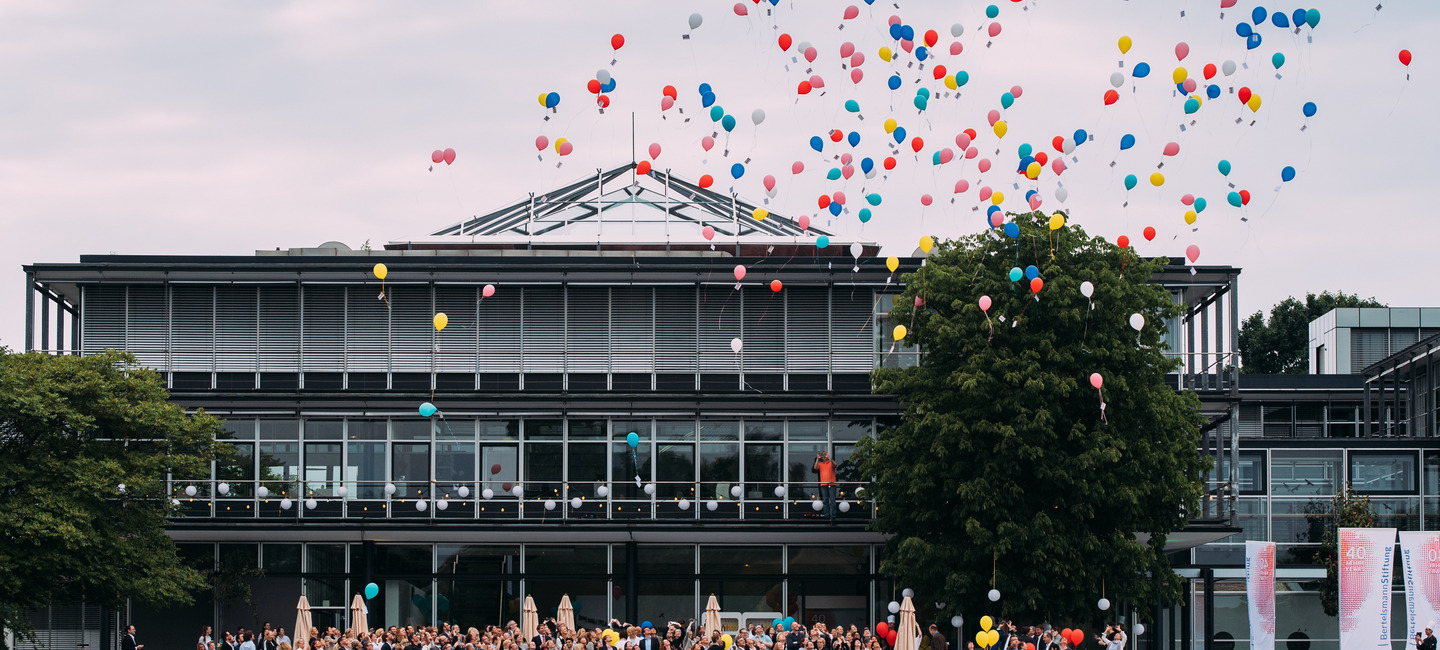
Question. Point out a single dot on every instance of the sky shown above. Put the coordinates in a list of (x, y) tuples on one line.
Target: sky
[(223, 128)]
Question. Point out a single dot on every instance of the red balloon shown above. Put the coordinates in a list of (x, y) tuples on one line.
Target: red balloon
[(890, 638), (971, 133), (740, 9), (1244, 94), (642, 168), (603, 101), (1111, 97), (1244, 197), (617, 41), (1122, 241), (438, 156), (917, 144), (540, 143), (785, 41), (505, 487), (851, 12), (1209, 70), (593, 86), (836, 135), (669, 91), (824, 201), (931, 38), (1149, 233), (889, 162), (776, 286), (1405, 58), (838, 197), (1058, 143), (449, 156), (1029, 646), (1042, 157), (706, 181), (939, 72), (882, 629), (804, 88), (495, 469), (1077, 637), (956, 48), (1036, 284)]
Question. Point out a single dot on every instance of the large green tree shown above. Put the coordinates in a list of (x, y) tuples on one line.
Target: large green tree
[(1003, 468), (1348, 509), (1281, 345), (72, 431)]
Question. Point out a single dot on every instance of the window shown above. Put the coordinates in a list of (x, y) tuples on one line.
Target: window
[(473, 560), (1383, 472), (1303, 473)]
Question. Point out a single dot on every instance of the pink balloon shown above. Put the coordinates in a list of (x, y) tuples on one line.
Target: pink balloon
[(566, 148), (847, 171), (739, 272), (907, 45), (707, 142), (984, 166), (797, 167), (741, 9), (994, 30), (846, 158), (1057, 165), (708, 232), (971, 152), (449, 156), (956, 48), (992, 117), (1034, 201), (1189, 85), (437, 156), (1193, 252), (1016, 91), (985, 193), (811, 53), (1096, 380), (984, 303), (996, 219), (894, 20), (804, 222), (816, 81), (851, 12), (1181, 51), (1188, 199), (1226, 4), (857, 59), (846, 49), (856, 74), (666, 103), (962, 140), (926, 199), (488, 291), (541, 142), (654, 150), (838, 197), (1172, 149), (961, 185), (946, 155), (769, 182)]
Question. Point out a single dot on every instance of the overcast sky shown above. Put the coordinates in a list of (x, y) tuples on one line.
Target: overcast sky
[(222, 128)]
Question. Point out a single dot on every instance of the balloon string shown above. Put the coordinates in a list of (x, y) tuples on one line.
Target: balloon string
[(992, 327), (1101, 392)]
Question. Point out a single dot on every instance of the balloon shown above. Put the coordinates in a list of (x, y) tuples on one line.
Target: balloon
[(695, 20), (642, 168), (1253, 42), (1192, 105), (822, 241), (1117, 79), (617, 41), (917, 144), (1111, 97), (804, 88), (488, 291), (962, 77), (1308, 109), (1149, 233), (1001, 128), (1015, 272), (784, 42), (1258, 15), (1141, 70), (1081, 137), (882, 629), (1179, 75), (760, 214), (1157, 179), (997, 197), (1057, 221), (1031, 272), (817, 143), (994, 30), (1096, 380), (810, 55), (1405, 58), (1287, 174), (864, 215), (1007, 100), (926, 199), (1137, 323), (1312, 17), (926, 243), (1126, 141), (427, 409), (1125, 44), (851, 12), (593, 86), (992, 11), (985, 303), (899, 332), (1193, 252), (380, 271), (632, 439), (1227, 68), (706, 180), (441, 320), (728, 123), (1171, 149), (566, 148), (856, 249), (1224, 167), (1234, 199), (371, 591), (1190, 216), (1279, 19), (1036, 284), (1199, 204), (1122, 241), (541, 142), (737, 170), (1277, 60), (757, 116), (1131, 181), (1012, 230), (740, 9), (1254, 102), (448, 155), (1087, 289)]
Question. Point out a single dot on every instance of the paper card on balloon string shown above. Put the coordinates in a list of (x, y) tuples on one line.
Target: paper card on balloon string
[(1308, 39), (841, 27), (1244, 66), (1074, 159), (1015, 186), (1277, 75), (988, 43), (1192, 270), (1302, 128), (1112, 163), (684, 37), (1238, 120), (432, 168), (1002, 318), (1162, 165), (1125, 204), (1182, 13)]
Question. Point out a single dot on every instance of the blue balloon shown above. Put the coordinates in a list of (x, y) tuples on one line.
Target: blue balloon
[(833, 174), (853, 138), (1212, 91), (1012, 230), (1298, 17), (427, 409), (992, 11), (608, 87), (899, 134), (1253, 42), (1199, 204), (1224, 167), (817, 143), (1031, 272), (728, 122), (991, 210), (1015, 273), (1312, 17), (1243, 30), (822, 241), (921, 102), (1287, 174), (737, 170), (1258, 15), (632, 439), (1081, 136), (1024, 165), (864, 214), (707, 100), (921, 53), (866, 165), (1280, 20), (835, 208), (1308, 109), (961, 78), (716, 113), (646, 624), (896, 31), (705, 88), (1030, 194), (1277, 60), (894, 82), (552, 100), (873, 199), (1007, 100), (371, 591), (1180, 88), (1142, 70), (907, 32), (1126, 141), (1235, 199)]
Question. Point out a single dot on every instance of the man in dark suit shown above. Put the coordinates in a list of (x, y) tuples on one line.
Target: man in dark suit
[(539, 641), (937, 640), (127, 641), (650, 641)]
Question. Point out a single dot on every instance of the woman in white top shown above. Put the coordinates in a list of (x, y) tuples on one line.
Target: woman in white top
[(203, 643)]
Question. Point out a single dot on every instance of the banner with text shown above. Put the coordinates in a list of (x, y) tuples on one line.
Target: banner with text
[(1260, 592), (1421, 553), (1367, 556)]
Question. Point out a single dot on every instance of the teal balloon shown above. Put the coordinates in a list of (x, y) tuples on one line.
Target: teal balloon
[(1026, 149), (1277, 60), (833, 174), (1007, 100), (1131, 181), (852, 106), (1016, 273), (921, 102), (632, 439), (1191, 105), (822, 241), (865, 215), (1312, 18), (728, 122), (961, 78), (716, 113), (427, 409), (1234, 199), (371, 591), (992, 11), (1199, 204), (1225, 167), (872, 199), (935, 158)]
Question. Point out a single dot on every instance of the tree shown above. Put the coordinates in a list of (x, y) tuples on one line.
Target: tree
[(1005, 467), (1347, 510), (73, 431), (1281, 346)]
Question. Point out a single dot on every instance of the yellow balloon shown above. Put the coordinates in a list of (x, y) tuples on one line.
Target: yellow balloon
[(761, 213), (558, 142), (985, 623), (1032, 172), (1000, 128), (381, 271), (1190, 216), (441, 320), (890, 125), (899, 332), (885, 54), (982, 639), (1056, 221), (542, 98), (1157, 179), (892, 263), (950, 82), (1254, 102), (997, 198), (926, 243), (728, 640), (993, 636), (1125, 44), (1180, 75)]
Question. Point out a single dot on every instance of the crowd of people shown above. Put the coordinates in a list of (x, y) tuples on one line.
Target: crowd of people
[(551, 635)]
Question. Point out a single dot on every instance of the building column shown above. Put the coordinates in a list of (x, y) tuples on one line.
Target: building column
[(29, 312), (632, 571), (1209, 643)]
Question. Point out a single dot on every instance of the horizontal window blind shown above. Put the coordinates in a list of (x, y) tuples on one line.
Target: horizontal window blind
[(192, 327), (279, 328), (367, 326), (237, 328), (675, 329), (412, 328), (102, 318), (458, 343), (632, 316), (323, 328)]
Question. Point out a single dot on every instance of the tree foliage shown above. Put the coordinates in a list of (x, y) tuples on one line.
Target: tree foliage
[(72, 430), (1281, 345), (1001, 468), (1347, 510)]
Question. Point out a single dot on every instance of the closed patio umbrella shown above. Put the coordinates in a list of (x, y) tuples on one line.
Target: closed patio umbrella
[(566, 614), (358, 620), (712, 615), (909, 631), (529, 620), (302, 623)]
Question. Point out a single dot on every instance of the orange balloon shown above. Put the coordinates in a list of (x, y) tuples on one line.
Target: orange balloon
[(1036, 285)]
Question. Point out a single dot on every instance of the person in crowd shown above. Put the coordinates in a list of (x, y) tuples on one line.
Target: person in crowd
[(825, 468), (938, 640), (247, 642), (204, 641)]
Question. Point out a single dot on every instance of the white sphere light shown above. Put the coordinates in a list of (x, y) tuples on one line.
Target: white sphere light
[(464, 492), (908, 593), (342, 492), (817, 505), (711, 505), (262, 492), (517, 491), (844, 506), (549, 504), (487, 493), (311, 503), (285, 504), (1139, 629), (189, 490), (575, 502), (174, 502), (602, 492), (442, 504), (684, 504), (649, 488), (994, 595), (389, 489), (223, 488), (956, 621), (894, 607), (780, 491), (735, 492), (121, 488), (421, 505), (1104, 604)]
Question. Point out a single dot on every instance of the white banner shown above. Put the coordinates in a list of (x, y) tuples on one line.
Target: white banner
[(1421, 553), (1260, 592), (1367, 556)]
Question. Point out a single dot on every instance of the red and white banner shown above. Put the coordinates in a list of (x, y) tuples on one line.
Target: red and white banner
[(1367, 556), (1260, 592), (1421, 553)]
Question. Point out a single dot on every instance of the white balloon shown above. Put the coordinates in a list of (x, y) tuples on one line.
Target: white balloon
[(575, 502), (463, 492), (1117, 79), (262, 492), (956, 621), (1061, 194), (1087, 289), (772, 192), (602, 76), (189, 490), (695, 20), (442, 504), (311, 503), (1068, 146), (860, 491), (908, 593), (994, 595), (176, 502), (649, 488), (734, 492), (284, 504), (342, 492), (780, 491), (871, 173), (1228, 68), (684, 504), (737, 345), (223, 488), (802, 46), (602, 492), (844, 506), (487, 493), (1137, 322), (957, 29), (757, 116), (549, 504), (421, 505), (894, 607), (389, 489), (1104, 604), (711, 505), (856, 249)]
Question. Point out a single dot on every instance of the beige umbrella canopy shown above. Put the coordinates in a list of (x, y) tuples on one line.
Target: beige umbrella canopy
[(909, 630), (566, 613), (529, 620), (302, 623), (358, 620), (712, 615)]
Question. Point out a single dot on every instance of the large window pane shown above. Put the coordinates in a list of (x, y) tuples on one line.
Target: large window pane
[(587, 429), (758, 595), (476, 560), (1402, 513), (1297, 473), (587, 468), (324, 429), (762, 470), (544, 469), (675, 471), (630, 470), (565, 560), (719, 469), (588, 597), (479, 603), (667, 599), (832, 602), (280, 558), (1299, 521), (365, 470), (621, 429), (279, 429), (322, 468), (498, 429), (802, 430), (850, 430), (1377, 472), (447, 429), (403, 559), (764, 430), (410, 430), (239, 469), (280, 467), (803, 480), (544, 429), (719, 430), (678, 560), (829, 560), (325, 558), (455, 462), (740, 560), (366, 429), (498, 467), (675, 430)]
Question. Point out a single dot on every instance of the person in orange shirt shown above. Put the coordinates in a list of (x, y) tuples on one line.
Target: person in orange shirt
[(825, 467)]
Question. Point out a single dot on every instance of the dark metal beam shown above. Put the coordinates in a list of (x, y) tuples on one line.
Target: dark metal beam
[(29, 311)]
